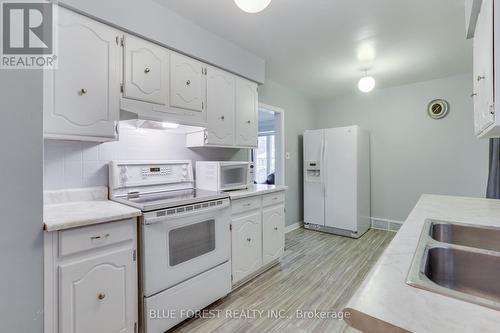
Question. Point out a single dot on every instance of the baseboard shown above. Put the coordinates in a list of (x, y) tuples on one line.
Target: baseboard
[(385, 224), (294, 226)]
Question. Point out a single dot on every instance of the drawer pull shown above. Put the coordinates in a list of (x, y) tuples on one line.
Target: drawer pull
[(99, 237), (101, 296), (147, 70), (276, 228), (83, 91), (249, 239), (247, 204), (275, 198)]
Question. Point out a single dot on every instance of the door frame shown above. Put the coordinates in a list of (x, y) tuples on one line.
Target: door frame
[(279, 142)]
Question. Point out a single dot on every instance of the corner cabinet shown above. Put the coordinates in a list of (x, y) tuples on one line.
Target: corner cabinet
[(91, 279), (81, 96), (485, 86), (257, 235)]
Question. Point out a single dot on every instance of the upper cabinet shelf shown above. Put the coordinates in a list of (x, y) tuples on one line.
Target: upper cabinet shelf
[(102, 70)]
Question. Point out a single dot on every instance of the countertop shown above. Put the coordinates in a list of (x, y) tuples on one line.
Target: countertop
[(72, 208), (256, 189), (385, 303)]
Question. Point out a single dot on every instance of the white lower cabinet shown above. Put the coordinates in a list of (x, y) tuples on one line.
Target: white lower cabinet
[(94, 293), (273, 236), (92, 288), (258, 238), (246, 245)]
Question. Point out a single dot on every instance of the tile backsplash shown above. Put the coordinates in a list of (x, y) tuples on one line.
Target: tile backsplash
[(73, 164)]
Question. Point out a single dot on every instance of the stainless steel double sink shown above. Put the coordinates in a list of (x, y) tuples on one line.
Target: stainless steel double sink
[(458, 260)]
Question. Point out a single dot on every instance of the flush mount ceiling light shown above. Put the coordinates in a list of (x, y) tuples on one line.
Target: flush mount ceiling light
[(252, 6), (169, 125), (366, 83)]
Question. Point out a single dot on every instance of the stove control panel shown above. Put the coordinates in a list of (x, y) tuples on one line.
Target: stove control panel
[(164, 174)]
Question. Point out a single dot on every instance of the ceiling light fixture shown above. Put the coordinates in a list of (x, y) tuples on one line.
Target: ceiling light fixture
[(252, 6), (366, 83), (169, 125)]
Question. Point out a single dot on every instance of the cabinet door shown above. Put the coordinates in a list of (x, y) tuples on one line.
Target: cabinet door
[(273, 233), (220, 107), (81, 96), (146, 71), (246, 113), (98, 295), (246, 245), (187, 83), (483, 68)]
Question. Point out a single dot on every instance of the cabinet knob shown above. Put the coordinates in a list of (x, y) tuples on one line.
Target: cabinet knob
[(83, 91), (248, 121), (221, 117), (101, 296), (249, 239), (276, 228), (481, 77), (147, 70), (473, 95), (188, 82)]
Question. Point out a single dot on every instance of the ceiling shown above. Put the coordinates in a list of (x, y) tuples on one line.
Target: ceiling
[(321, 47)]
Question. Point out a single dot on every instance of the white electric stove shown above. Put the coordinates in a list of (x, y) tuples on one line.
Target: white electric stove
[(184, 239)]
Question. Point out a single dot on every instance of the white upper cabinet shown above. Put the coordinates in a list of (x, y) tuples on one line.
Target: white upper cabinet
[(146, 67), (246, 113), (220, 107), (483, 69), (187, 83), (485, 87), (81, 96)]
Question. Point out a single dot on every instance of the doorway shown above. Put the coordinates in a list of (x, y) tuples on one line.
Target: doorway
[(269, 156)]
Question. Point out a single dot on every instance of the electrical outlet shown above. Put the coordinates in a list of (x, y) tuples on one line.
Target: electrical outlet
[(287, 156)]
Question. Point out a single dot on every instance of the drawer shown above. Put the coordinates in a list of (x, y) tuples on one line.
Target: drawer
[(273, 198), (246, 204), (87, 238)]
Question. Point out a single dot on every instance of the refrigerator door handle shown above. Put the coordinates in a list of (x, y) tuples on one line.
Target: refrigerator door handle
[(321, 166), (325, 167)]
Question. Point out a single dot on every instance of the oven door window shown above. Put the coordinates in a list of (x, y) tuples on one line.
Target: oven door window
[(233, 176), (189, 242)]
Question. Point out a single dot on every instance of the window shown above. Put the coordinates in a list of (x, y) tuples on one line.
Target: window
[(265, 159)]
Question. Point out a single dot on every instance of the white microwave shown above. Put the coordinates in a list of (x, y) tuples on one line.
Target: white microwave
[(224, 176)]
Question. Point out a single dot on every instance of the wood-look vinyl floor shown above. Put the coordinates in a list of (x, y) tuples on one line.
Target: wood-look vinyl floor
[(318, 272)]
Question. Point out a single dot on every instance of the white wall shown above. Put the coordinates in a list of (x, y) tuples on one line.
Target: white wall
[(70, 164), (157, 23), (299, 115), (21, 259), (411, 153)]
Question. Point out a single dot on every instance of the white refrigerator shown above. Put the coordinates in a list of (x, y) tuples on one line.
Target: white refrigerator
[(337, 180)]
